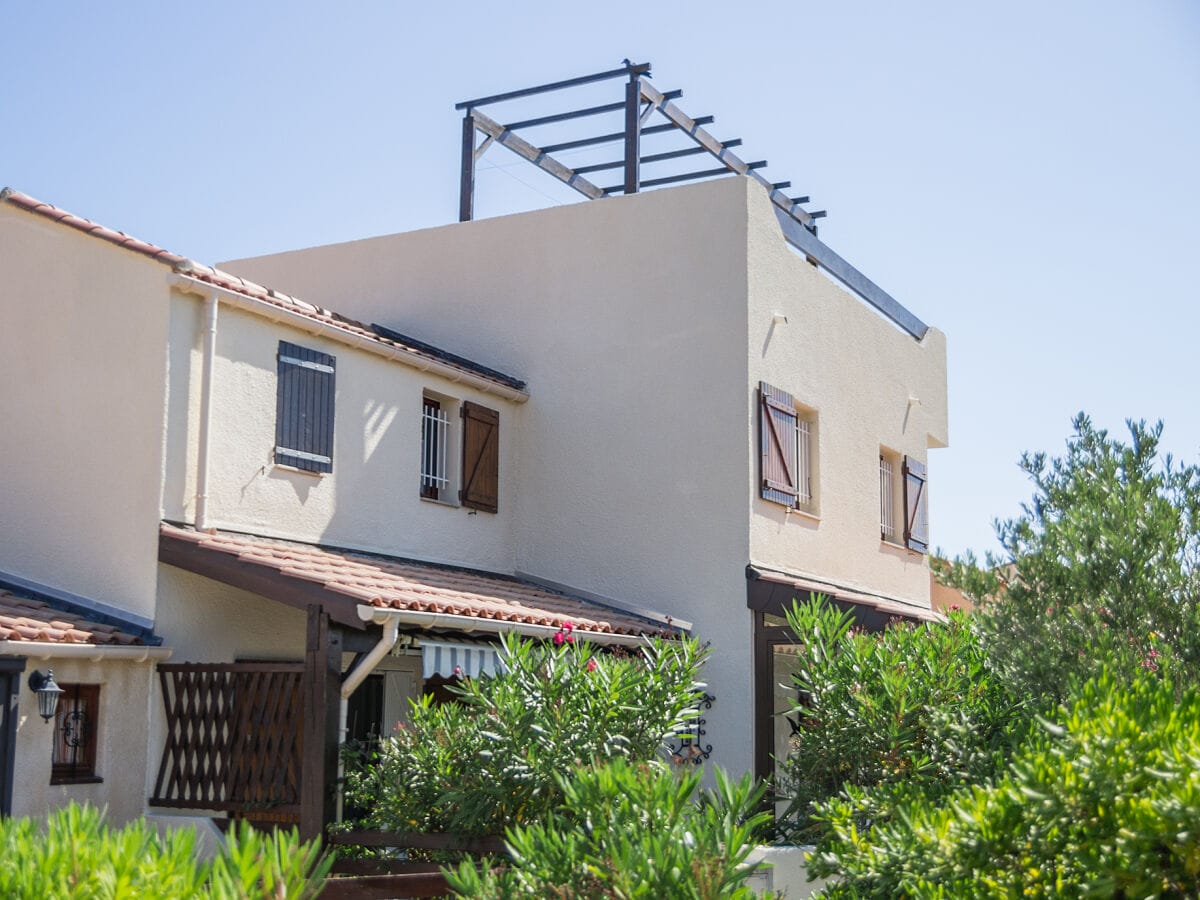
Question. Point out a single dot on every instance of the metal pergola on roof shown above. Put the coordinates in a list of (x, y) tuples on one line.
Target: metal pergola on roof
[(640, 104)]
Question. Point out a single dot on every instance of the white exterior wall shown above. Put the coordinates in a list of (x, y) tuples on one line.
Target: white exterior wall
[(127, 692), (627, 317), (857, 370), (642, 326), (371, 500), (82, 380)]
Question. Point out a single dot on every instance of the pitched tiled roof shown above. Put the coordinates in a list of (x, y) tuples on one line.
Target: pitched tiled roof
[(218, 278), (389, 583), (25, 619)]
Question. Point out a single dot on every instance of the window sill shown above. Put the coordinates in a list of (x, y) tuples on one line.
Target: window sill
[(437, 502), (77, 779), (286, 468), (805, 514), (885, 544)]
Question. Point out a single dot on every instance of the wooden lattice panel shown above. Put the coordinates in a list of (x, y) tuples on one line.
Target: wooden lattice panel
[(233, 738)]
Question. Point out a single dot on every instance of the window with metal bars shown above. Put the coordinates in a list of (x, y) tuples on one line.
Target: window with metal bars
[(887, 497), (435, 440), (75, 729)]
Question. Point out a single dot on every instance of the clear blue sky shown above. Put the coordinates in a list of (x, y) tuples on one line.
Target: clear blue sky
[(1025, 175)]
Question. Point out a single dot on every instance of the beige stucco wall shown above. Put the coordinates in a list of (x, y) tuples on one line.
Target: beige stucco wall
[(82, 380), (627, 317), (121, 751), (641, 324), (371, 499), (843, 359)]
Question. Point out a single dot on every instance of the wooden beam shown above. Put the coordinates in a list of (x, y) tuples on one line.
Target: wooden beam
[(629, 69), (321, 695), (633, 134), (537, 156), (692, 128), (257, 579)]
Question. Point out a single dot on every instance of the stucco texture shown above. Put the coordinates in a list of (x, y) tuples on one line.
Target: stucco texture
[(82, 382), (121, 749), (370, 501), (871, 385)]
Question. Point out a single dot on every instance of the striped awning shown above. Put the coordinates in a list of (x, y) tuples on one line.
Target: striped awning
[(456, 660)]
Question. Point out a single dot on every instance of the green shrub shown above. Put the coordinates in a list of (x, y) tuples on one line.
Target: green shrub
[(630, 831), (1107, 805), (912, 710), (494, 759), (76, 855), (1102, 562)]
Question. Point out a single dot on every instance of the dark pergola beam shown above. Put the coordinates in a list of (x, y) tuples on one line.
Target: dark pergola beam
[(617, 136), (535, 155), (686, 176), (630, 69), (653, 157)]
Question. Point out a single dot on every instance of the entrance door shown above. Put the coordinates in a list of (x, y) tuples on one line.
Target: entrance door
[(10, 687)]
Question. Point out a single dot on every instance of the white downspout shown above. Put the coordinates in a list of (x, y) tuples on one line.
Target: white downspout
[(355, 677), (206, 382)]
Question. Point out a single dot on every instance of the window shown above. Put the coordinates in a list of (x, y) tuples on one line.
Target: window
[(789, 450), (903, 501), (435, 440), (75, 726), (304, 409), (888, 464), (480, 458)]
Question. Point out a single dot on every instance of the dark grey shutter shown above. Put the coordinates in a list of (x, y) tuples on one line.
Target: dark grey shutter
[(304, 409), (777, 411), (481, 457), (916, 505)]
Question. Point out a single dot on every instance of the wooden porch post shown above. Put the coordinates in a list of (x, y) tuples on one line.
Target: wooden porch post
[(322, 704)]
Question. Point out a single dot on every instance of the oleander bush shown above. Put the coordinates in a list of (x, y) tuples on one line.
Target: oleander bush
[(911, 711), (75, 854), (626, 830), (1106, 804), (496, 757)]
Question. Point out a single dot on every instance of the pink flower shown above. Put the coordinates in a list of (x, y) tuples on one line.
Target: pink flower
[(570, 638), (591, 666), (568, 626), (558, 639), (458, 671)]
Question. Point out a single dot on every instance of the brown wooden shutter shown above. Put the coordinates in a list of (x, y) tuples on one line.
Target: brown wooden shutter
[(916, 505), (481, 457), (778, 444)]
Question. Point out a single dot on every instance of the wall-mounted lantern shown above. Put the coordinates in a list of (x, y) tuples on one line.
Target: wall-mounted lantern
[(47, 692)]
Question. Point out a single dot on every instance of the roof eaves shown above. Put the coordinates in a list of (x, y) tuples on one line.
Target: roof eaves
[(400, 345)]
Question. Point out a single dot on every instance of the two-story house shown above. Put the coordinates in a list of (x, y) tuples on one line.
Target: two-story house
[(323, 497)]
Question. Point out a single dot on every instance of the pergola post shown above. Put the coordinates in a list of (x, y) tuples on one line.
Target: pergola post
[(466, 188), (633, 131), (321, 695)]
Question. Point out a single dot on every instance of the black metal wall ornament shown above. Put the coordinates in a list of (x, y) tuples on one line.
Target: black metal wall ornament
[(691, 748)]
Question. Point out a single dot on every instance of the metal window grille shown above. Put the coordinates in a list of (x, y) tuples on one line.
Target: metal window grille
[(887, 512), (434, 427), (803, 462)]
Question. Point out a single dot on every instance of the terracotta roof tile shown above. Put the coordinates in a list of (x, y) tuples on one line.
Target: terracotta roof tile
[(26, 619), (390, 583)]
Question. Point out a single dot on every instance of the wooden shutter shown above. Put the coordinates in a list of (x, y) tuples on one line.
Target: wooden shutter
[(778, 445), (75, 728), (916, 505), (304, 409), (481, 457)]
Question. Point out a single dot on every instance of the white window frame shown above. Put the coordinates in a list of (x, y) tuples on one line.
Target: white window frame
[(806, 460)]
